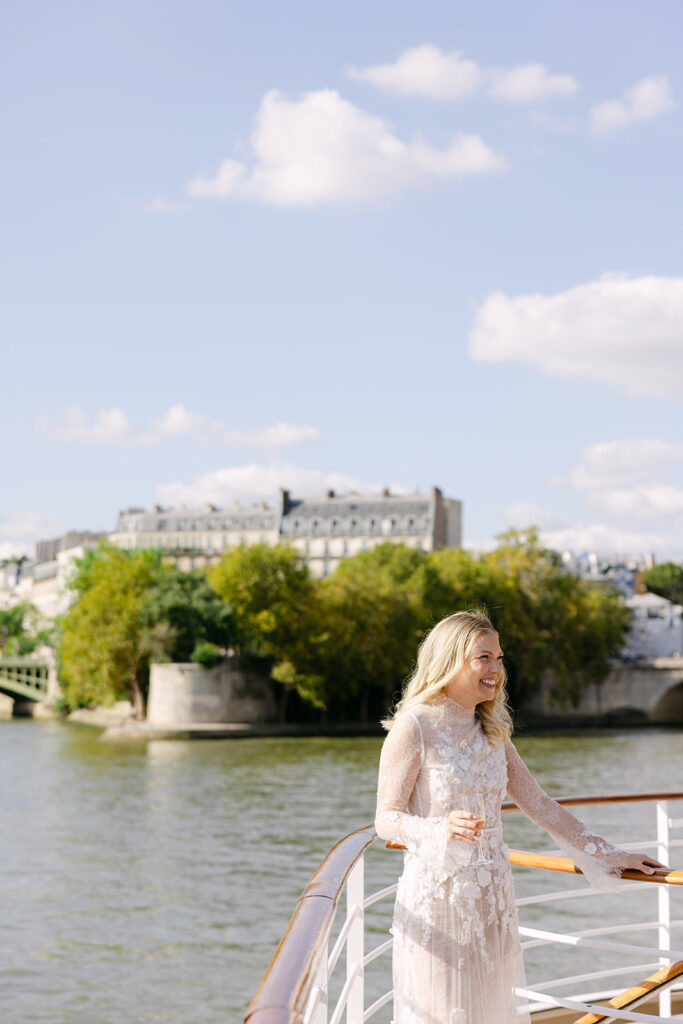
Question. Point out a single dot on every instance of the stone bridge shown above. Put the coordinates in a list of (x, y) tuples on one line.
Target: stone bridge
[(640, 691)]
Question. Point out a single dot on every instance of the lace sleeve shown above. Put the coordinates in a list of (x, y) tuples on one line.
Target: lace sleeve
[(599, 860), (398, 770)]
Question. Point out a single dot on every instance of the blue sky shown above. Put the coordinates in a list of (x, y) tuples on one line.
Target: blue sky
[(347, 245)]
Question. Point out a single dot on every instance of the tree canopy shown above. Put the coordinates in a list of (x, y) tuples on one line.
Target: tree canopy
[(104, 656), (666, 580), (274, 602), (21, 631), (132, 609), (347, 642), (343, 644)]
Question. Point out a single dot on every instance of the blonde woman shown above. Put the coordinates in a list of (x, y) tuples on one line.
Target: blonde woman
[(446, 766)]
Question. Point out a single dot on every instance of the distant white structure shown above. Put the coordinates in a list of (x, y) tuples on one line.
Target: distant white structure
[(620, 571), (325, 530), (43, 580), (657, 628)]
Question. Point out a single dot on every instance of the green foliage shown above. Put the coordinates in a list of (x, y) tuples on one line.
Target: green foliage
[(556, 623), (666, 580), (181, 611), (104, 656), (273, 599), (371, 613), (20, 633), (207, 655), (346, 643), (131, 610)]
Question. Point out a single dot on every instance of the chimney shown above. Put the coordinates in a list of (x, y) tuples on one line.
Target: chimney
[(330, 493), (386, 493)]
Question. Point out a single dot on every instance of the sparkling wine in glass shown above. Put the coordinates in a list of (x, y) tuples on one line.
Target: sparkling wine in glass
[(474, 803)]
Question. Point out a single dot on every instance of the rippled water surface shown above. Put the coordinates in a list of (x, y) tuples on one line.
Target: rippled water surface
[(152, 882)]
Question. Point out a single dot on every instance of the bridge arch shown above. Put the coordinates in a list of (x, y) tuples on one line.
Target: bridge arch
[(669, 707)]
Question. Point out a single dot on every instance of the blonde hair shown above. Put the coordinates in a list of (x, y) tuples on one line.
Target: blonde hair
[(440, 657)]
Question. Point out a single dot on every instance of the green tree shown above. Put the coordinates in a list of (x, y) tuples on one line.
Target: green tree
[(559, 623), (181, 612), (372, 615), (272, 596), (666, 580), (21, 632), (104, 650)]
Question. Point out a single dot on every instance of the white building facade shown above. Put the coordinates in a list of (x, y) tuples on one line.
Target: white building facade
[(43, 580), (325, 530), (656, 629)]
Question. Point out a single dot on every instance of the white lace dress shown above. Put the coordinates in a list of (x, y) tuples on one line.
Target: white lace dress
[(457, 956)]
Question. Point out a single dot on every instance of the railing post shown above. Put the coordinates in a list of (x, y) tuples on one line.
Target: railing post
[(320, 990), (663, 898), (355, 943)]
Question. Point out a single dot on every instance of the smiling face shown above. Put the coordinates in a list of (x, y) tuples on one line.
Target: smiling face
[(477, 679)]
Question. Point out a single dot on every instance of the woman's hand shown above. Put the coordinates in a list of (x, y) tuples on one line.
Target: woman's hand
[(641, 862), (464, 825)]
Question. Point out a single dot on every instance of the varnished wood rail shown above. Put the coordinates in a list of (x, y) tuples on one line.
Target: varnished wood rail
[(632, 996), (548, 862), (614, 798), (283, 994)]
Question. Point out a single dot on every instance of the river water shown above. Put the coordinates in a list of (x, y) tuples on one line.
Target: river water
[(150, 882)]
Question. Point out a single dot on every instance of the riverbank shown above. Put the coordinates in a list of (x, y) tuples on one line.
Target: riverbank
[(133, 730)]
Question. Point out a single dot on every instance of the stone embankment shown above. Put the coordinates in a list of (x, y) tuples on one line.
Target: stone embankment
[(639, 692)]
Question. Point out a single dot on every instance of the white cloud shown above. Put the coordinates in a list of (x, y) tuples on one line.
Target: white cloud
[(257, 482), (626, 332), (635, 485), (424, 71), (605, 539), (528, 83), (322, 149), (113, 427), (632, 496), (621, 463), (20, 531), (427, 71), (647, 99), (654, 503), (523, 514)]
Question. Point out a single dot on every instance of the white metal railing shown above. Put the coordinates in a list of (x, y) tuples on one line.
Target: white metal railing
[(351, 941)]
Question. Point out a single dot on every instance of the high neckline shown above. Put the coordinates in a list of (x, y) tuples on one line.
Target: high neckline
[(457, 710)]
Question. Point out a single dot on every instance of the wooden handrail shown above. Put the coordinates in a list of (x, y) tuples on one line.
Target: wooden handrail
[(549, 862), (615, 798), (282, 995), (650, 986), (546, 861)]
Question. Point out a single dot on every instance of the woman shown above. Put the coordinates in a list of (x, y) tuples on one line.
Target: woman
[(457, 956)]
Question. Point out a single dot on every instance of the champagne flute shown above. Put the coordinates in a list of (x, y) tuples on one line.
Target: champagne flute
[(474, 803)]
